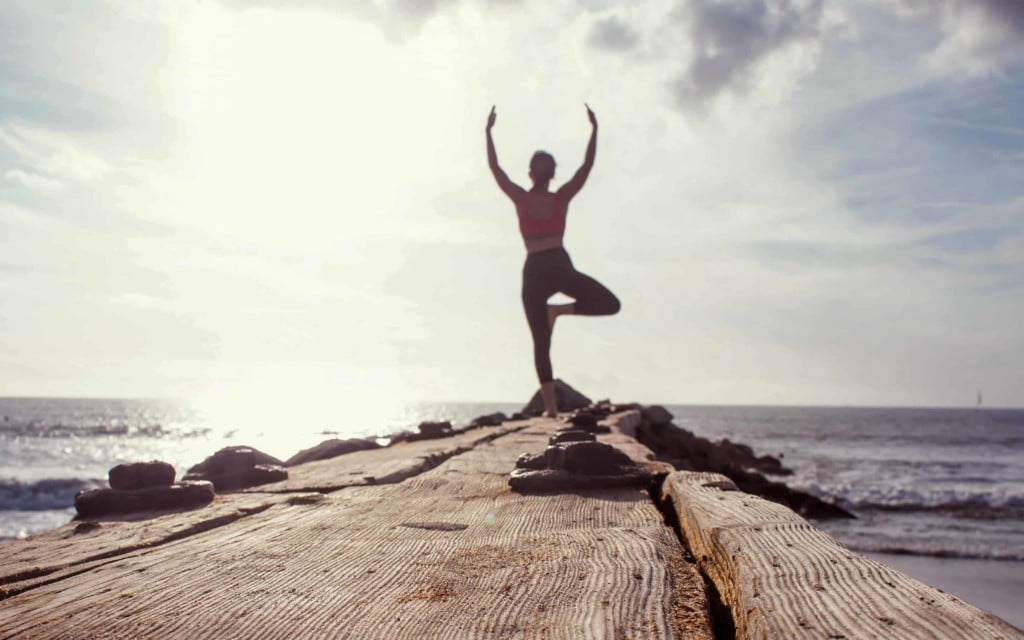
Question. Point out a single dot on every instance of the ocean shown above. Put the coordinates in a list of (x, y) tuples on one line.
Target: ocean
[(945, 483)]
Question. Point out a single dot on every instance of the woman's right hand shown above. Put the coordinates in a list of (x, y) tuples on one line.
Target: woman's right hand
[(590, 115), (491, 118)]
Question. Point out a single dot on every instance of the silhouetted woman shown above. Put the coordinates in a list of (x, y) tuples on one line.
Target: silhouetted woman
[(548, 269)]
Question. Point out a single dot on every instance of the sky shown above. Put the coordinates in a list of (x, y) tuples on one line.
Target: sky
[(796, 201)]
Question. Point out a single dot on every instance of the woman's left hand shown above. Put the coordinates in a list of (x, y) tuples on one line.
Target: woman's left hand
[(590, 115)]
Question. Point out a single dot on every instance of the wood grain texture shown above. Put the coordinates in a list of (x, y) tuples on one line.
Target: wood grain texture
[(448, 553), (383, 466), (74, 547), (783, 578)]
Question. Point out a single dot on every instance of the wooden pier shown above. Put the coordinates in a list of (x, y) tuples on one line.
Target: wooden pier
[(425, 540)]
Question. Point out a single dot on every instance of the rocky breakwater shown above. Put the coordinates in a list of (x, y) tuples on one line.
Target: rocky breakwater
[(688, 452), (142, 486)]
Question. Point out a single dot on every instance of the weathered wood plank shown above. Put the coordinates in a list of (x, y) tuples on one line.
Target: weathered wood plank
[(384, 466), (449, 553), (69, 548), (783, 578)]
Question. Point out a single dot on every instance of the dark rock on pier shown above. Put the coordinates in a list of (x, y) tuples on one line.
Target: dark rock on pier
[(577, 465), (587, 420), (238, 467), (566, 398), (431, 430), (141, 475), (331, 449), (489, 420), (571, 435), (184, 495)]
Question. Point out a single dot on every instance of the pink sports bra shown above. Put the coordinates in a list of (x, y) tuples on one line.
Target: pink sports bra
[(546, 216)]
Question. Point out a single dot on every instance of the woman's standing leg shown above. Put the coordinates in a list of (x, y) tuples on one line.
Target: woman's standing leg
[(535, 294)]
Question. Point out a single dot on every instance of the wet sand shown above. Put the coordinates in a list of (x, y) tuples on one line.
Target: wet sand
[(996, 585)]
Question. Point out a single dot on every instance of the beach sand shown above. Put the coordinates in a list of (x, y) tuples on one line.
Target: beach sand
[(995, 585)]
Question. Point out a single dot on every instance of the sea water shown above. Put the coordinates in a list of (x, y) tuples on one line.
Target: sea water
[(930, 482)]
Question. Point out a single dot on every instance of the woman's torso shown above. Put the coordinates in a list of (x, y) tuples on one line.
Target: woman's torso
[(542, 220)]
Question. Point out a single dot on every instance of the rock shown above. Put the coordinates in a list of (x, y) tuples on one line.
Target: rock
[(772, 466), (577, 465), (489, 420), (331, 449), (234, 468), (555, 481), (583, 420), (243, 478), (737, 461), (431, 430), (625, 406), (586, 420), (532, 461), (141, 475), (593, 459), (183, 495), (233, 458), (566, 398), (519, 415), (656, 414), (571, 435), (598, 411)]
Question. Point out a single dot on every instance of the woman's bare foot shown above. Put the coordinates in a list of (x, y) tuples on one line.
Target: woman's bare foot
[(547, 393)]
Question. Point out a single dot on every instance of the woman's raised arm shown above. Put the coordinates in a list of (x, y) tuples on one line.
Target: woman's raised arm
[(511, 189), (573, 186)]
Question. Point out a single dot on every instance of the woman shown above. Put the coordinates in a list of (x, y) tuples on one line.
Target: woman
[(548, 269)]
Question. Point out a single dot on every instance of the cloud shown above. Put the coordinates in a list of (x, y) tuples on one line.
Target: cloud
[(731, 38), (398, 19), (72, 163), (612, 34), (33, 181), (978, 35)]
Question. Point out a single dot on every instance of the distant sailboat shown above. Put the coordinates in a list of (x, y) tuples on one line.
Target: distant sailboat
[(979, 400)]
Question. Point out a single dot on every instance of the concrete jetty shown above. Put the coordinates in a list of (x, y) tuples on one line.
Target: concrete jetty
[(425, 539)]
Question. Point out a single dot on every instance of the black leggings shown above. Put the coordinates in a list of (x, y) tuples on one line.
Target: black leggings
[(545, 274)]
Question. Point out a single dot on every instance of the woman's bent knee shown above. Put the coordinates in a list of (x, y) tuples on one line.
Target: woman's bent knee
[(615, 306)]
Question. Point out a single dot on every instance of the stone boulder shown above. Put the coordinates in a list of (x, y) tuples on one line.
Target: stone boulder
[(331, 449), (571, 435), (489, 420), (566, 398), (586, 419), (656, 415), (625, 406), (141, 475), (577, 465), (183, 495), (238, 467), (432, 430)]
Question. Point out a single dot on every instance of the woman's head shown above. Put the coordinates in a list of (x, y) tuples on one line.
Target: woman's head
[(542, 167)]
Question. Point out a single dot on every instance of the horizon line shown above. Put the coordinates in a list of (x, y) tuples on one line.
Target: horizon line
[(496, 402)]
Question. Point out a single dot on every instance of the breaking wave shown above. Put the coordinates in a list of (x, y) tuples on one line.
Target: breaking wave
[(43, 495)]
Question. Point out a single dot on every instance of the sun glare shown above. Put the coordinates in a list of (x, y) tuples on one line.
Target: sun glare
[(303, 128)]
